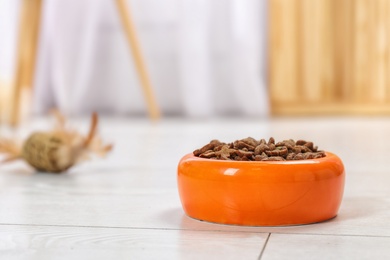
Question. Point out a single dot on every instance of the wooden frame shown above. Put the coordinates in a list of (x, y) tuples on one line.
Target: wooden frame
[(134, 45)]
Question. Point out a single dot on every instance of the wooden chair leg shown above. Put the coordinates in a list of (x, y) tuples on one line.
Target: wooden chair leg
[(134, 45), (26, 56)]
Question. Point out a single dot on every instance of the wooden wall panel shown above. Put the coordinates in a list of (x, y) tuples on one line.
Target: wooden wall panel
[(284, 53), (330, 56)]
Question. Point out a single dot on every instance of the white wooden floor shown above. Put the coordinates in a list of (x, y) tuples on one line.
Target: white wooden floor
[(127, 206)]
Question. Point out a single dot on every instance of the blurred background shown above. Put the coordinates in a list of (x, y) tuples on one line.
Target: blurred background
[(194, 58)]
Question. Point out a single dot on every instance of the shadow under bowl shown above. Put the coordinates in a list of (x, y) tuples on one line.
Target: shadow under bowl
[(254, 193)]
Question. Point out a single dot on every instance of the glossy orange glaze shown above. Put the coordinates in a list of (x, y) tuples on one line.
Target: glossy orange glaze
[(261, 193)]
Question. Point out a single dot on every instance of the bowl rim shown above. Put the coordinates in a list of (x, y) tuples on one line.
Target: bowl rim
[(328, 156)]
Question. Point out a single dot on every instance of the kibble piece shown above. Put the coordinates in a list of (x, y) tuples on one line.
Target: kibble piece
[(309, 145), (251, 141), (261, 148), (260, 157), (283, 151), (297, 149), (243, 153), (214, 144), (308, 156), (208, 154), (304, 149), (272, 153), (290, 156), (207, 147), (240, 145), (225, 152), (298, 156)]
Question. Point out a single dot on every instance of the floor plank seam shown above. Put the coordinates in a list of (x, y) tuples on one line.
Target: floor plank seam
[(136, 228), (328, 234), (197, 230), (265, 245)]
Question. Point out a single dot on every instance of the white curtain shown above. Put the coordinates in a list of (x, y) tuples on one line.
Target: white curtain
[(205, 57)]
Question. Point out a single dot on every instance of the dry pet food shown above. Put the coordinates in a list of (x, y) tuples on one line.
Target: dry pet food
[(250, 149)]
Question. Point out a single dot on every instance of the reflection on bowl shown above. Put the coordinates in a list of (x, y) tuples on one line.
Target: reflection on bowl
[(256, 193)]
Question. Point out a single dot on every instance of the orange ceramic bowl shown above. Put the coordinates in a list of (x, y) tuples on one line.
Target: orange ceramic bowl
[(255, 193)]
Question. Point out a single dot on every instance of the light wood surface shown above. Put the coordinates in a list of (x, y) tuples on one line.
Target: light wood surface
[(42, 242), (361, 65), (284, 74), (134, 45), (311, 41), (26, 54), (317, 247), (381, 50), (127, 205), (329, 53)]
